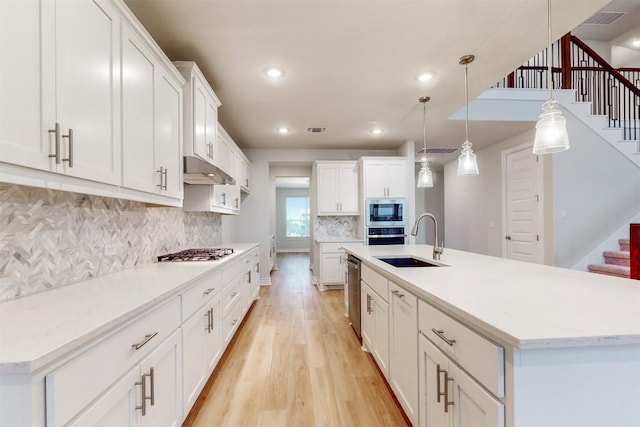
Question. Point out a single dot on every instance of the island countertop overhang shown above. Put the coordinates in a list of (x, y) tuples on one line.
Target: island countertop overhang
[(519, 304)]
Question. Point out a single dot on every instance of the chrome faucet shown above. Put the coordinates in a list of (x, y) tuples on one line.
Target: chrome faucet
[(437, 250)]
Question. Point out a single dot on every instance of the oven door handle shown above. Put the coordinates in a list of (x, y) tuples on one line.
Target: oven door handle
[(385, 236)]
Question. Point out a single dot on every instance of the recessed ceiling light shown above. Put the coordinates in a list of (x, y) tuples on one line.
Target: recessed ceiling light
[(376, 131), (274, 72), (635, 43), (283, 130), (425, 77)]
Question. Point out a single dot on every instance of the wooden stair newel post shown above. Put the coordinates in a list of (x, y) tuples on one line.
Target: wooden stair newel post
[(634, 232)]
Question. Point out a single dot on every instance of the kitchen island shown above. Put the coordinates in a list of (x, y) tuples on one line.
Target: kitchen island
[(546, 345)]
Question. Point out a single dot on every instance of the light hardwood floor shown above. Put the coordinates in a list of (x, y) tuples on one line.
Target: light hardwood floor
[(296, 362)]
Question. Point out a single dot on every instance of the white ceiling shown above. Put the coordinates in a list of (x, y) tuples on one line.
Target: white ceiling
[(351, 65)]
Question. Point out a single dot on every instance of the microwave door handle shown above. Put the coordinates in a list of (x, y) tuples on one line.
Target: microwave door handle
[(385, 236)]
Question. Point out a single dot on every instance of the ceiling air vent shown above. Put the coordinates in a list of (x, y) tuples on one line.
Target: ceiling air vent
[(603, 18), (439, 150), (317, 130)]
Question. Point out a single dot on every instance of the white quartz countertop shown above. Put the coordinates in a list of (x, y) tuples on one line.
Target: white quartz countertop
[(37, 329), (337, 240), (521, 304)]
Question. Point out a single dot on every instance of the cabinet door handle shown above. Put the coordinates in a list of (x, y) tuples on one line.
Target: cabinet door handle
[(446, 402), (56, 132), (146, 339), (166, 171), (440, 334), (70, 137), (224, 198), (211, 318), (208, 291), (208, 316), (368, 303), (438, 372), (397, 293), (143, 384)]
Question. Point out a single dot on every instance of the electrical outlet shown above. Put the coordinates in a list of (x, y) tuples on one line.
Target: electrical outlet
[(109, 249)]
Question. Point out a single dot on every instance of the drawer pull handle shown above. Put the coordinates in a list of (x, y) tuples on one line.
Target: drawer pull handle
[(440, 334), (208, 291), (397, 293), (146, 339), (234, 294)]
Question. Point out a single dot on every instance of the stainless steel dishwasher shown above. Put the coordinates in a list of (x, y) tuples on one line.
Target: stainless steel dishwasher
[(353, 276)]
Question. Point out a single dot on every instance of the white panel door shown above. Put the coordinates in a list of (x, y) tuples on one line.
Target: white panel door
[(138, 81), (375, 183), (88, 87), (381, 327), (431, 364), (367, 320), (522, 197), (164, 387), (24, 139), (200, 147), (327, 189), (211, 129), (168, 136), (213, 338), (396, 178), (472, 405), (194, 333), (348, 188)]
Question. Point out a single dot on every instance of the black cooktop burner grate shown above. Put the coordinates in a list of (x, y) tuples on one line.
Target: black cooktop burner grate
[(198, 254)]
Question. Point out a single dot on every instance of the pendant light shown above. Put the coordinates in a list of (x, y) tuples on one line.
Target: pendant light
[(425, 176), (551, 129), (467, 163)]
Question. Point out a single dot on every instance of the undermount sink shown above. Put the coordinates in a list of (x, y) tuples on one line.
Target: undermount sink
[(406, 262)]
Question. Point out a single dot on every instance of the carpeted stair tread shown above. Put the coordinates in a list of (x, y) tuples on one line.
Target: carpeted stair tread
[(611, 270), (617, 257), (625, 244)]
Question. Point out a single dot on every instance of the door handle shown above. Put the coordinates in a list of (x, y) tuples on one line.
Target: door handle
[(507, 237)]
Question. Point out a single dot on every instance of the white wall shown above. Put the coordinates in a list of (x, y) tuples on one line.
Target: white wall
[(430, 200), (596, 189), (255, 224), (473, 204)]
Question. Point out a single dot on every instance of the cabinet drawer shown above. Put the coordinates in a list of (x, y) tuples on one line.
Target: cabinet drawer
[(331, 247), (198, 294), (482, 358), (231, 294), (230, 272), (231, 320), (75, 384), (376, 281)]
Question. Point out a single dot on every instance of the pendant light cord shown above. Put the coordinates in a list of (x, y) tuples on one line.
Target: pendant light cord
[(466, 97), (424, 128), (549, 61)]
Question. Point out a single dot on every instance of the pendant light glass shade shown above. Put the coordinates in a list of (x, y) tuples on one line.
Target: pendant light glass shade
[(467, 163), (425, 176), (551, 129)]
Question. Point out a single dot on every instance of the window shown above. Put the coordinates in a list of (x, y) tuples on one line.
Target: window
[(297, 216)]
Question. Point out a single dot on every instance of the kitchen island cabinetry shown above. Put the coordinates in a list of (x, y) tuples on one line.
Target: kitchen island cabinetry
[(130, 348), (375, 326), (331, 262), (384, 178), (548, 353), (337, 188), (403, 346)]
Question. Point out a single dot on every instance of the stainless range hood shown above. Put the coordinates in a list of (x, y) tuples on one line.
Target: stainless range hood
[(197, 171)]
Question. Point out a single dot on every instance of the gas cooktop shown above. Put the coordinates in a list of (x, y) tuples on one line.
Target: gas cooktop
[(199, 254)]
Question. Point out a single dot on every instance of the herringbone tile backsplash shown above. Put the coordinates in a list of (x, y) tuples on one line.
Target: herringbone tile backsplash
[(53, 238)]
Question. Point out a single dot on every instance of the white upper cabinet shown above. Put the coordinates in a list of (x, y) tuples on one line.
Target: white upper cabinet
[(70, 79), (223, 199), (337, 188), (223, 152), (168, 141), (23, 137), (200, 113), (385, 178)]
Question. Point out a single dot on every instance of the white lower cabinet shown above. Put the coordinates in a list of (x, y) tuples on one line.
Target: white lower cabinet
[(403, 345), (375, 326), (449, 397), (150, 394)]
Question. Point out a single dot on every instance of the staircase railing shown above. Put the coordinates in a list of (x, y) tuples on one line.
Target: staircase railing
[(614, 93), (634, 247)]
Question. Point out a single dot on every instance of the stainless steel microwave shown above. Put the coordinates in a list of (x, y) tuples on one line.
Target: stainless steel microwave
[(385, 212)]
